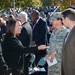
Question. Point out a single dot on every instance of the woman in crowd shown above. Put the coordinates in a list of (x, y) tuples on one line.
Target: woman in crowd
[(56, 43), (13, 48)]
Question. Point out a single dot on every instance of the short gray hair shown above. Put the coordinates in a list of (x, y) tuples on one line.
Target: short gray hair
[(23, 15)]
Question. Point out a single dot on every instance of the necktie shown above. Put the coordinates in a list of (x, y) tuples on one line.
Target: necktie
[(66, 36), (34, 24)]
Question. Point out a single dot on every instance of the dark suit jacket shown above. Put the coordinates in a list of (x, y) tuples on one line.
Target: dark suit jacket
[(25, 37), (40, 34), (12, 48), (68, 55), (26, 34), (40, 37), (3, 29), (3, 65)]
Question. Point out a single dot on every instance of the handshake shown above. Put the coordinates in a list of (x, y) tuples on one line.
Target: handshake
[(40, 47)]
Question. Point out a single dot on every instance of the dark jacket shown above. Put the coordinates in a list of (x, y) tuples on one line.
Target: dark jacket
[(26, 34), (68, 55), (12, 48), (25, 37), (40, 34), (3, 65), (40, 37), (3, 29)]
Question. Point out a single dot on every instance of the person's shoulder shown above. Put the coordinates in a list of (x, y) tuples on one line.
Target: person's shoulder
[(65, 28), (42, 21), (9, 36)]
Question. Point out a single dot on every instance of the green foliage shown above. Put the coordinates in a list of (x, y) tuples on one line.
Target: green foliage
[(62, 3), (19, 3), (34, 3), (46, 2)]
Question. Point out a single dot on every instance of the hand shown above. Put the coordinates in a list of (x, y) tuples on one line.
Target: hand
[(43, 47), (48, 57), (53, 55)]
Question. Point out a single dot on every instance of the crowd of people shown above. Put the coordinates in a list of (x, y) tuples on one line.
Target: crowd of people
[(32, 35)]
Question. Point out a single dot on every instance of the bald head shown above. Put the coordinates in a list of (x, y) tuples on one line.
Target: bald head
[(35, 15), (36, 12)]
